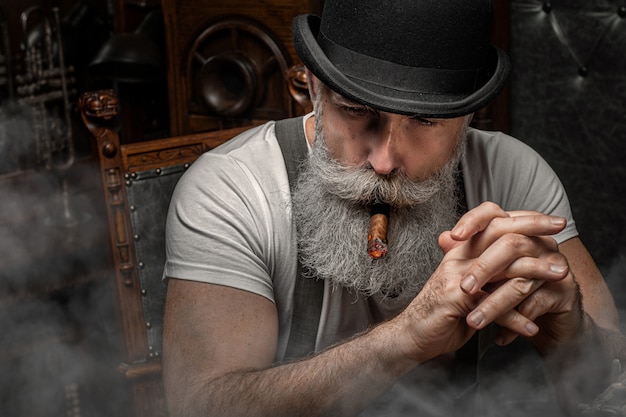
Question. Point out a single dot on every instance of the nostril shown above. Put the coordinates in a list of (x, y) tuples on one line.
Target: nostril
[(391, 174), (384, 169)]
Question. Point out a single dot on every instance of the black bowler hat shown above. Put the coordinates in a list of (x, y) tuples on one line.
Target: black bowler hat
[(427, 57)]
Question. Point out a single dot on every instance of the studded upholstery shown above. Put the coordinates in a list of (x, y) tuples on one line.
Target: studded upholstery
[(149, 193)]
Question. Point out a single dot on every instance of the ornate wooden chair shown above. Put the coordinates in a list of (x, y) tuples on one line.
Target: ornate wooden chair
[(138, 180)]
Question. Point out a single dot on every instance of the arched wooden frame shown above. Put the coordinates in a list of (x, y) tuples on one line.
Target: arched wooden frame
[(239, 50)]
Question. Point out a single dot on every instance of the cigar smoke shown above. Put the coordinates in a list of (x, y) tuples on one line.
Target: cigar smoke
[(60, 341)]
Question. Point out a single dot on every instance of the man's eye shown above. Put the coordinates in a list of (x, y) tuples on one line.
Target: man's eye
[(356, 111), (423, 121)]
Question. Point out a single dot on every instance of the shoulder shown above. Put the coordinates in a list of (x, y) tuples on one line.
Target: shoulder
[(496, 145), (251, 159), (496, 155), (503, 169), (249, 147), (229, 218)]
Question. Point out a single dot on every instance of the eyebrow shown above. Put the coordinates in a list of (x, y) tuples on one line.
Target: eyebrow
[(338, 98)]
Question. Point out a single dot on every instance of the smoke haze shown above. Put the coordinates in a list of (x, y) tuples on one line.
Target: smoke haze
[(59, 341)]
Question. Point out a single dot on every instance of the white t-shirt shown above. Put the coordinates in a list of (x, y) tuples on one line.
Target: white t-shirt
[(230, 221)]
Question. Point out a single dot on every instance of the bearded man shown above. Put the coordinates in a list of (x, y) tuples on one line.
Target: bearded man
[(275, 307)]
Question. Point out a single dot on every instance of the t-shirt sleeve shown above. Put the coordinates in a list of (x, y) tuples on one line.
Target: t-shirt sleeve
[(216, 227), (510, 173)]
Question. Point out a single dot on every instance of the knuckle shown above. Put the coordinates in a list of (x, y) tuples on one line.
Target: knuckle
[(540, 299), (450, 272), (490, 205), (521, 286), (480, 267), (533, 306), (497, 222), (515, 242), (538, 218), (556, 258), (450, 266)]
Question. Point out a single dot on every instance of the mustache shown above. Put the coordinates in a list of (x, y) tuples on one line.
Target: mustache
[(362, 185)]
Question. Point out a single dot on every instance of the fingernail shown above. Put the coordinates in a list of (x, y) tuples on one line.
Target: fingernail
[(557, 269), (558, 221), (532, 328), (477, 318), (458, 230), (468, 283)]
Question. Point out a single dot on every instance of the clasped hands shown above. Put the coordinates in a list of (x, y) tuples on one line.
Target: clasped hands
[(501, 267)]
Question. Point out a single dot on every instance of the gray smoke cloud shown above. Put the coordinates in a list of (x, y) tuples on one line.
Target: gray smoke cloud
[(60, 341)]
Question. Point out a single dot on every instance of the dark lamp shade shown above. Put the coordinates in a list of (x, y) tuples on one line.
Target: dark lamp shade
[(133, 57)]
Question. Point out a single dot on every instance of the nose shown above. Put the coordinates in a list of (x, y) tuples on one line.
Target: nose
[(383, 156)]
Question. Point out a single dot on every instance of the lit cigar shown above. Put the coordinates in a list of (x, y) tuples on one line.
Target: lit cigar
[(377, 236)]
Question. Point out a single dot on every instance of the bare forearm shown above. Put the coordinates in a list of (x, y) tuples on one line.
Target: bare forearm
[(339, 382), (323, 385), (582, 370)]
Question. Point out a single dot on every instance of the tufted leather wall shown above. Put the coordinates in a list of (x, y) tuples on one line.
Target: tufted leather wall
[(568, 99)]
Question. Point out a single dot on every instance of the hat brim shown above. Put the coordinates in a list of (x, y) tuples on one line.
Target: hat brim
[(388, 98)]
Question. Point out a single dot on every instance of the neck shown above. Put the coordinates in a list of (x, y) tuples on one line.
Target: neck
[(309, 129)]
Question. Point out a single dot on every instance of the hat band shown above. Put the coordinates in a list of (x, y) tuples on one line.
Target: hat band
[(397, 76)]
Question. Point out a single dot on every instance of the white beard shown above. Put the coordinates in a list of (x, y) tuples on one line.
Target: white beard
[(331, 211)]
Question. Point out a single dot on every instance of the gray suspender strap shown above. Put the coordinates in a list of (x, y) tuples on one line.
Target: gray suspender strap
[(308, 292), (293, 144)]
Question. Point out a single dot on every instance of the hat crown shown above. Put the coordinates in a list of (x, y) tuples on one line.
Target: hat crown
[(426, 57), (450, 34)]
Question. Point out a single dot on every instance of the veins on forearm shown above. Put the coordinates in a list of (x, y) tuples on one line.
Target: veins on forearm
[(304, 388), (340, 381)]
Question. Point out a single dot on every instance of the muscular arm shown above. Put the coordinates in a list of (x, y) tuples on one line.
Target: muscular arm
[(218, 356), (597, 300), (220, 343), (606, 343)]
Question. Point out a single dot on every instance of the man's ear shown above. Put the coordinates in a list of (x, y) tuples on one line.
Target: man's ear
[(312, 84)]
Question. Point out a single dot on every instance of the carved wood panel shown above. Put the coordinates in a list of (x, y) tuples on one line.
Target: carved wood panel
[(228, 62)]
